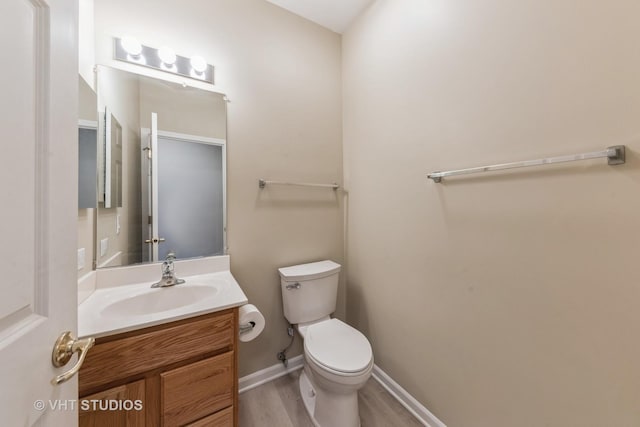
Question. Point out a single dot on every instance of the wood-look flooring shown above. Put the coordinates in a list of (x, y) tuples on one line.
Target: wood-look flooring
[(278, 404)]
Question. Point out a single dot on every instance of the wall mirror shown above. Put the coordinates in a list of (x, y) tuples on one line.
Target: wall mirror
[(161, 170)]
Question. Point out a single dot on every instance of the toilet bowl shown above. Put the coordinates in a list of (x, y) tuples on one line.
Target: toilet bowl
[(338, 359), (338, 362)]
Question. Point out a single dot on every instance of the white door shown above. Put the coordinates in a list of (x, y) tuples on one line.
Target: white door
[(155, 238), (38, 193), (145, 193), (149, 190)]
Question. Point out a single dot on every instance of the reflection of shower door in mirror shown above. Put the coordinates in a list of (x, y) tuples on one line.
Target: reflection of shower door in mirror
[(184, 195)]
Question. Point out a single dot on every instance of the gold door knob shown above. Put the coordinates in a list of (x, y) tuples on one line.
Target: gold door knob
[(63, 350)]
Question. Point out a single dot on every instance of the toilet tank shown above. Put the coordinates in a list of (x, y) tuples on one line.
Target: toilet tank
[(309, 291)]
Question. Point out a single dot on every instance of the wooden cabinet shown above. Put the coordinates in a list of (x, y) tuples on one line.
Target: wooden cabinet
[(184, 373)]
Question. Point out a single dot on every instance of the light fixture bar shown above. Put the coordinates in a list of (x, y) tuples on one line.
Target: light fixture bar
[(149, 57)]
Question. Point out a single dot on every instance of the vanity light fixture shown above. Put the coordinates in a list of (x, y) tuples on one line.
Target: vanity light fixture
[(132, 46), (130, 50), (167, 56), (199, 64)]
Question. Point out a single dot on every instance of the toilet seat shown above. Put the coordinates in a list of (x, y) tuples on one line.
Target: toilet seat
[(338, 347)]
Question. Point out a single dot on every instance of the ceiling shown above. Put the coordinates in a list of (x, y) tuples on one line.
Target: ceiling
[(335, 15)]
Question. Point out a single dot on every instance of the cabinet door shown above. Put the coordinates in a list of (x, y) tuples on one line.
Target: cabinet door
[(117, 407), (222, 418)]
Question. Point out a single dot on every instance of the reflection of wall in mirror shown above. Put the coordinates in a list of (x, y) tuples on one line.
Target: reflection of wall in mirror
[(119, 92), (87, 111), (87, 103), (183, 110)]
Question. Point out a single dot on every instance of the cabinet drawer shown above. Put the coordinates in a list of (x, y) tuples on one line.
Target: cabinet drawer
[(222, 418), (145, 351), (197, 390)]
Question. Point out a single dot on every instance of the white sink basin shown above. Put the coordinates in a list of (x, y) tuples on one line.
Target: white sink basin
[(117, 309), (158, 300)]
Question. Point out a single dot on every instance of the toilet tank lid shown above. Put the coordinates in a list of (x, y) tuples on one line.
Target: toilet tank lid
[(313, 270)]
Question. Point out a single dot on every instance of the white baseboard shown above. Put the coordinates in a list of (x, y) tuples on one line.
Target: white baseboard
[(263, 376), (418, 410), (422, 414)]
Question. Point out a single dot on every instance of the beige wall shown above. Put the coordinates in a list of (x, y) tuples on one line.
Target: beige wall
[(509, 299), (87, 102), (119, 92), (282, 76), (86, 41)]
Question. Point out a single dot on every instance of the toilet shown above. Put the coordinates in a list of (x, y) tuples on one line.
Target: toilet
[(337, 358)]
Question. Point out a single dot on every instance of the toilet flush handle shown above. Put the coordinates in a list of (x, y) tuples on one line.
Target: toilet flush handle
[(294, 286)]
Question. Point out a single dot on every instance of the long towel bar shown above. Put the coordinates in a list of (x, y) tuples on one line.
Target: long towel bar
[(263, 183), (615, 156)]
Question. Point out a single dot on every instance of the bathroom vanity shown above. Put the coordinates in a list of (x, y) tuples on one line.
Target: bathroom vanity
[(183, 373), (162, 357)]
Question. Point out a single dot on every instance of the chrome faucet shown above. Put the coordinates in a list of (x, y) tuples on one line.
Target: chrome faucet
[(168, 275)]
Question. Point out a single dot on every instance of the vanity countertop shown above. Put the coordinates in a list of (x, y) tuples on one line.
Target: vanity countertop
[(113, 310)]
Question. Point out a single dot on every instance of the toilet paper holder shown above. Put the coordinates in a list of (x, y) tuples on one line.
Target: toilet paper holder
[(247, 327), (250, 322)]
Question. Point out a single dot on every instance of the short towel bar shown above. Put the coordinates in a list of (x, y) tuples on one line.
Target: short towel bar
[(263, 183)]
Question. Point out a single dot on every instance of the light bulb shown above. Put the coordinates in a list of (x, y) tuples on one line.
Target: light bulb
[(131, 45), (199, 64), (167, 55)]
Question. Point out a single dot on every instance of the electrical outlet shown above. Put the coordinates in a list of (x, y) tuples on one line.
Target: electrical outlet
[(81, 257), (104, 246)]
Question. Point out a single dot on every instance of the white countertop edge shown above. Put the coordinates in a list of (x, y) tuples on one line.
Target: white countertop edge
[(159, 321)]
